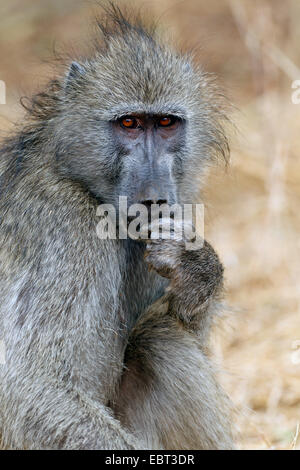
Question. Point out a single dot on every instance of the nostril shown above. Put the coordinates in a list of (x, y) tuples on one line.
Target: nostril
[(162, 201), (148, 203)]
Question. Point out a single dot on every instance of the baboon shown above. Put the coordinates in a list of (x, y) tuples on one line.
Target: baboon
[(107, 340)]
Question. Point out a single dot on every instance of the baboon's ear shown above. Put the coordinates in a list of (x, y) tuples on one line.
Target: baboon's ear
[(75, 71)]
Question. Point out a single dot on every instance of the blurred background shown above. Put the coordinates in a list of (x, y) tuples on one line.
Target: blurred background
[(252, 208)]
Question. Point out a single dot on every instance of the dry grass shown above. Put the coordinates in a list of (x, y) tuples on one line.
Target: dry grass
[(253, 213), (257, 232)]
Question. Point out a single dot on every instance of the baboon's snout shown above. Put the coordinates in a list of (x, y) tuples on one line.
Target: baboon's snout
[(153, 194)]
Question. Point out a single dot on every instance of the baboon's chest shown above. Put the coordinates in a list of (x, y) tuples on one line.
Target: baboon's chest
[(140, 287)]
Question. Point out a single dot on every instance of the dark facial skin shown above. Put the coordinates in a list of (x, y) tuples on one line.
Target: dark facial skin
[(150, 143), (138, 155)]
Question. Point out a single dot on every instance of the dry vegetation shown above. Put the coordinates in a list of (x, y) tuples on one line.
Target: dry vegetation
[(253, 214)]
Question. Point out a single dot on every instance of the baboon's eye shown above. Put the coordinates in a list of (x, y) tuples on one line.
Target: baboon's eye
[(167, 121), (129, 122)]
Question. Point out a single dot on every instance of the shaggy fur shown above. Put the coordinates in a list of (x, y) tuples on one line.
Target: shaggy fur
[(101, 352)]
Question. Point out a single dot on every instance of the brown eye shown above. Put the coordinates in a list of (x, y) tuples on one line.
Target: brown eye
[(167, 121), (129, 122)]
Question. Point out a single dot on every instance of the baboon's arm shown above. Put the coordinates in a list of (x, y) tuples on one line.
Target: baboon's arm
[(196, 279), (169, 392), (178, 403)]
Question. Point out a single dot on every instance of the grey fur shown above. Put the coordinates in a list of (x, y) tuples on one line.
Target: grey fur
[(101, 352)]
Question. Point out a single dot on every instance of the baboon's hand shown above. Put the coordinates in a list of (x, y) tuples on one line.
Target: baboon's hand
[(196, 274)]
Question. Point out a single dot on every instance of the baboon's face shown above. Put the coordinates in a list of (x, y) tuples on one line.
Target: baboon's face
[(138, 149), (138, 121), (140, 157), (148, 145)]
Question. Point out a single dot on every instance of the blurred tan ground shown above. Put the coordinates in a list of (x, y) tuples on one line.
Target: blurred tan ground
[(252, 212)]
